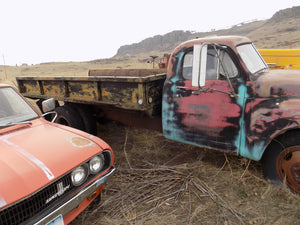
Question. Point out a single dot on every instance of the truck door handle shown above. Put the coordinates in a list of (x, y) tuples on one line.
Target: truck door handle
[(181, 88), (185, 90), (195, 92)]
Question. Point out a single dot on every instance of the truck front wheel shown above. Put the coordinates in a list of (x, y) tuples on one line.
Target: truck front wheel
[(281, 162), (68, 116)]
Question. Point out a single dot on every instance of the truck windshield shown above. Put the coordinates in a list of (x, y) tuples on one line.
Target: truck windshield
[(13, 108), (251, 58)]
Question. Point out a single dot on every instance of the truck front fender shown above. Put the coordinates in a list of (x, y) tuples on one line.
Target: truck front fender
[(265, 120)]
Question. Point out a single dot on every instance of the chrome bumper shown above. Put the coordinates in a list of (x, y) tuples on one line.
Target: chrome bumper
[(76, 200)]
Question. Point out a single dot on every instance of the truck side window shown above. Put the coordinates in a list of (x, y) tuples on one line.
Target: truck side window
[(212, 65), (187, 67), (215, 67), (227, 65)]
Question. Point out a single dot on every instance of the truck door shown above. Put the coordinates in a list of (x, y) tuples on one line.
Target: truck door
[(209, 116)]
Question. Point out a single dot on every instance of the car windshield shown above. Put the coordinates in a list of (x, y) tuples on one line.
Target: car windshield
[(13, 108), (251, 58)]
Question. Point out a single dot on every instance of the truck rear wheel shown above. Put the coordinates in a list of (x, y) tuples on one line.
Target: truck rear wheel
[(89, 121), (281, 162), (68, 116)]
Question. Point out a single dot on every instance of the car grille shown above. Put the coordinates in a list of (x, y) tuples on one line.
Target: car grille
[(36, 203)]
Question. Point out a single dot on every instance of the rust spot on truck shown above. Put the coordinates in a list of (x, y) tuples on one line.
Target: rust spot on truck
[(278, 83), (124, 92), (126, 72)]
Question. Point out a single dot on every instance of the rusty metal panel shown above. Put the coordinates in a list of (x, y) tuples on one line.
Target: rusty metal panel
[(84, 90), (121, 93), (130, 93), (154, 91), (126, 72), (30, 86), (277, 83), (53, 88)]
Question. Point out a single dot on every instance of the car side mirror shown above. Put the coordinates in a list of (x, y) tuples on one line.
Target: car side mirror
[(48, 105), (199, 65)]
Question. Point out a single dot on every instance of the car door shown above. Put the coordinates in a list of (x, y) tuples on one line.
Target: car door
[(210, 116)]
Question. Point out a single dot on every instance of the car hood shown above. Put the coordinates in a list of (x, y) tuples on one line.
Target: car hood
[(33, 155), (278, 83)]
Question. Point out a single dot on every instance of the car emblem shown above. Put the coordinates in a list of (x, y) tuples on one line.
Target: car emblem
[(60, 188), (60, 191)]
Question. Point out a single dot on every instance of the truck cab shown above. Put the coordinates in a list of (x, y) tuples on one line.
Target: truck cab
[(220, 94)]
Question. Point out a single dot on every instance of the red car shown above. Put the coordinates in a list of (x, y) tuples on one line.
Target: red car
[(49, 173)]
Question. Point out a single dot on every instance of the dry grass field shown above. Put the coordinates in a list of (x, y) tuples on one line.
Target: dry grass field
[(9, 73), (158, 181)]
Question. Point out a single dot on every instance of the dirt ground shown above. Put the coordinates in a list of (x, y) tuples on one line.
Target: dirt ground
[(158, 181)]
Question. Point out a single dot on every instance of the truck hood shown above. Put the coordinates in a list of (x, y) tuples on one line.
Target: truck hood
[(33, 155), (278, 83)]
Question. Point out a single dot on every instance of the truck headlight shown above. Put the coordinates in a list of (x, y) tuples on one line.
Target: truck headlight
[(79, 175), (96, 164)]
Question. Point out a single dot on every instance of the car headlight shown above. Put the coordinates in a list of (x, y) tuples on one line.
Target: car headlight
[(79, 175), (96, 164)]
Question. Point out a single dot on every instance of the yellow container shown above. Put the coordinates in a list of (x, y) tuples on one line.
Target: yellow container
[(281, 58)]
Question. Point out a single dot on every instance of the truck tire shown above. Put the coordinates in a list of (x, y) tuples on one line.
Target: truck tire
[(89, 121), (281, 162), (68, 116)]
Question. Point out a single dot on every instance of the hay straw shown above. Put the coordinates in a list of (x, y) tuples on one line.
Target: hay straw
[(151, 188)]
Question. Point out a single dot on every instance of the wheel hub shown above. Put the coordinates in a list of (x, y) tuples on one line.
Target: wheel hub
[(288, 168), (295, 171)]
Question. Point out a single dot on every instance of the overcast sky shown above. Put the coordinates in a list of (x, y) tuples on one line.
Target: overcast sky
[(36, 31)]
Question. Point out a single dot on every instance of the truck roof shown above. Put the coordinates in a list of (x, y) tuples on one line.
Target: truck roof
[(230, 41)]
